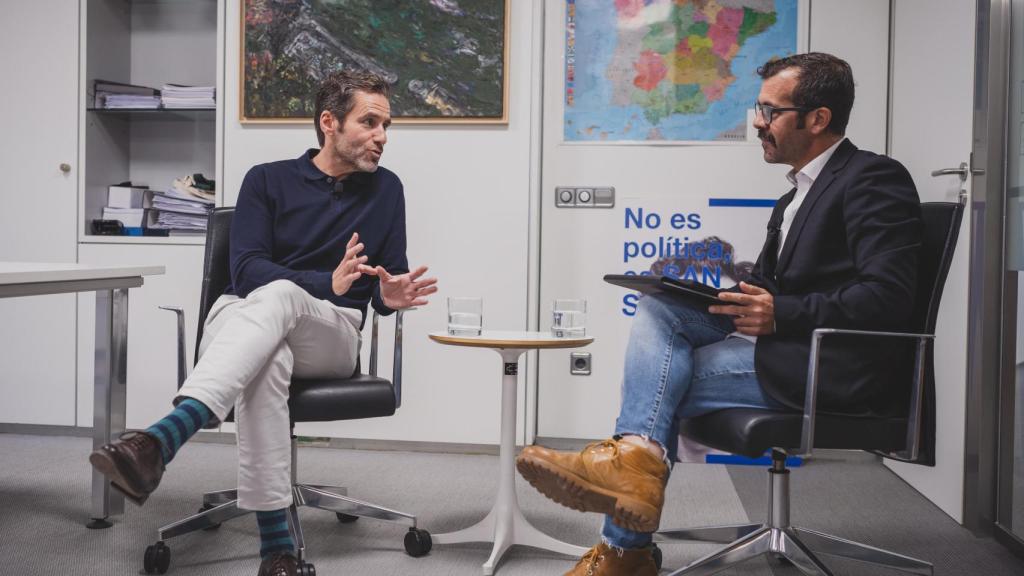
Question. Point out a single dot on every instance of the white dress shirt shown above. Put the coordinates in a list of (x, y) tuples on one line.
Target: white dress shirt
[(803, 180)]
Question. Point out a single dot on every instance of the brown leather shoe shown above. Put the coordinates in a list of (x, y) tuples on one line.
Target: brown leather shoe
[(616, 478), (603, 560), (132, 463), (279, 565)]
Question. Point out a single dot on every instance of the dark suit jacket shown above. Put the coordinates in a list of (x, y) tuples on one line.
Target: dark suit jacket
[(849, 261)]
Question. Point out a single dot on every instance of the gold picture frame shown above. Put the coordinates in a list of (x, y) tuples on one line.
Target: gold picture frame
[(439, 54)]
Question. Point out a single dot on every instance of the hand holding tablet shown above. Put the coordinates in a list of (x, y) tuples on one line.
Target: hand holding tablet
[(656, 283)]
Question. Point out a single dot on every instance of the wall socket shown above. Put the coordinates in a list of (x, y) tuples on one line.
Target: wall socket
[(579, 363)]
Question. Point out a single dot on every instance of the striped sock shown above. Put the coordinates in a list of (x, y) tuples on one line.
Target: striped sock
[(274, 534), (181, 424)]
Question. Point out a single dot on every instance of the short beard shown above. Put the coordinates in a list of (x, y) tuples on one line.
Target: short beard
[(367, 166)]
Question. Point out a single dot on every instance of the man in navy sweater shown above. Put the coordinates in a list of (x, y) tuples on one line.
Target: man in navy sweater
[(314, 240)]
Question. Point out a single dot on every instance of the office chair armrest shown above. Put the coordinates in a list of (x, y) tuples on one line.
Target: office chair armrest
[(910, 454), (181, 342), (396, 371)]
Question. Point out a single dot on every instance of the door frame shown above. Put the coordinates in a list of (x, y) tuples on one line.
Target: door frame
[(986, 405), (1002, 390)]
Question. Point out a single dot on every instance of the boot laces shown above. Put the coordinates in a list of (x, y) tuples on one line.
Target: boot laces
[(596, 446), (593, 558), (136, 441)]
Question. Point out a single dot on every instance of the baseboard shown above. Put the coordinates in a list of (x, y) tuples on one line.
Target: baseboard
[(46, 430), (569, 444), (216, 437), (1013, 542)]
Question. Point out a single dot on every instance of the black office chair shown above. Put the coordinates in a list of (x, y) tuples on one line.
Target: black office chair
[(909, 439), (321, 400)]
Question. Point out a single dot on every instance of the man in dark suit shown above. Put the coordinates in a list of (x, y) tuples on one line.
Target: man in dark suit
[(841, 251)]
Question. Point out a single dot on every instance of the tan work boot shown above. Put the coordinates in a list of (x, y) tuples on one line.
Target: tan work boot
[(603, 560), (622, 480)]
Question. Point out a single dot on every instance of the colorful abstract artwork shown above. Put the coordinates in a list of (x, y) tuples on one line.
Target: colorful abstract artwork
[(445, 59)]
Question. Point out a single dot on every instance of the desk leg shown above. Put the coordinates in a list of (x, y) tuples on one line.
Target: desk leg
[(505, 525), (109, 389)]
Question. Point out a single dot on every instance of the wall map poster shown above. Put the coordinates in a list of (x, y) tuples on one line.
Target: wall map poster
[(669, 70)]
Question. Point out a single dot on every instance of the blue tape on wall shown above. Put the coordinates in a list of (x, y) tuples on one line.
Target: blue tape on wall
[(791, 461), (741, 203)]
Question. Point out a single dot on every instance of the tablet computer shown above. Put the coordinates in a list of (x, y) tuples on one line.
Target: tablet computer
[(655, 283)]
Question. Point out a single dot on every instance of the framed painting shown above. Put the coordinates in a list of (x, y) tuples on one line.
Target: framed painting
[(446, 60)]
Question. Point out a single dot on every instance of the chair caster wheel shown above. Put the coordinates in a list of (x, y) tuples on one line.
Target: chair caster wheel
[(346, 518), (307, 569), (656, 553), (157, 558), (204, 509), (417, 542)]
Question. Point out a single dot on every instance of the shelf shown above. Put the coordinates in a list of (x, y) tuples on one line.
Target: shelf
[(155, 112), (183, 240), (146, 43)]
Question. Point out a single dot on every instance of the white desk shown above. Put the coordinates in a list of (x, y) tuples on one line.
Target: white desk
[(505, 525), (111, 284)]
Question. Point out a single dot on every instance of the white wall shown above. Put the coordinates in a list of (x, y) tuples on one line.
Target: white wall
[(467, 194), (933, 69)]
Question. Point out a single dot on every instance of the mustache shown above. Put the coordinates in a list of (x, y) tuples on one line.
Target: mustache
[(766, 136)]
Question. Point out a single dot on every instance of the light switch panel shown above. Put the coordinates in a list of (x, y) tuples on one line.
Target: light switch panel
[(584, 197)]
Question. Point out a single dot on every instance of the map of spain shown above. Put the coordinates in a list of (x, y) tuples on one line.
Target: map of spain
[(679, 70)]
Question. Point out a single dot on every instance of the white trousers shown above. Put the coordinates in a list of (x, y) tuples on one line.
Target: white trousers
[(251, 347)]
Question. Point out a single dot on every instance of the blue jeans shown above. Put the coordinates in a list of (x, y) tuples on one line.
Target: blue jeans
[(680, 364)]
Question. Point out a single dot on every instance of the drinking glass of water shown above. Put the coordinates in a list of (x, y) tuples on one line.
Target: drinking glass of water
[(465, 316), (568, 318)]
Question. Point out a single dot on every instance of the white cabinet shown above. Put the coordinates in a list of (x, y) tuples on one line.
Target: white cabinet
[(152, 333), (39, 43)]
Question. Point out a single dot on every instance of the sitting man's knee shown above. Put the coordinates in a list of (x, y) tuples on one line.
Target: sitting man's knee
[(658, 303), (280, 289)]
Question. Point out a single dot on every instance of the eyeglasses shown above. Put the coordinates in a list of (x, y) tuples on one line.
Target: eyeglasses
[(768, 112)]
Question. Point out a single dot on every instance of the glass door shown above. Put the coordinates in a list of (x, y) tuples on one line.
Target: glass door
[(1010, 520)]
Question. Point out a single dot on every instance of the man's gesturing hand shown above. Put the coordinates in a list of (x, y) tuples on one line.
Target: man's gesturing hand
[(348, 271), (754, 312), (404, 290)]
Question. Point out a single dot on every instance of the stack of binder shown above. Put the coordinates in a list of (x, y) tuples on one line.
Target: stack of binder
[(186, 206), (130, 204), (118, 95), (178, 96), (181, 209)]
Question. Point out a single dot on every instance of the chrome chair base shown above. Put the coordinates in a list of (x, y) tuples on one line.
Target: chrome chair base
[(221, 506), (778, 539), (798, 545)]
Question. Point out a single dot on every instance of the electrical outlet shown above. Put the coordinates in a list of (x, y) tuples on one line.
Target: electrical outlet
[(579, 363)]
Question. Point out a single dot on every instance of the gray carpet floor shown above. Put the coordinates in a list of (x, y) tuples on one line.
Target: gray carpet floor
[(853, 496), (44, 498)]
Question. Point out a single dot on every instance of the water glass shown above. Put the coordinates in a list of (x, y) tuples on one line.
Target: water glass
[(465, 316), (568, 318)]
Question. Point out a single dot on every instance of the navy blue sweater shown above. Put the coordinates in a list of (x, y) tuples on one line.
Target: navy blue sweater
[(291, 224)]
